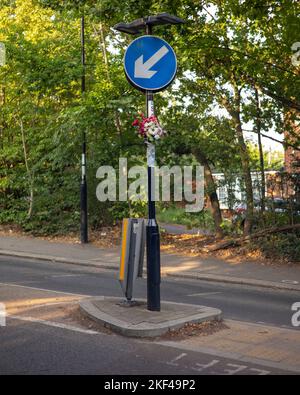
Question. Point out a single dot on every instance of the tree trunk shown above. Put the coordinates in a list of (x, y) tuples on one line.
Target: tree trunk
[(261, 152), (211, 191), (235, 112), (246, 175), (246, 239)]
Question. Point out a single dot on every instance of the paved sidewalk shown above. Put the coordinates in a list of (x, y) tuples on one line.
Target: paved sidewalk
[(266, 345), (286, 277)]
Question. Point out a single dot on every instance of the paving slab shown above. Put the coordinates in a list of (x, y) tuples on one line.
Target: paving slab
[(137, 321), (247, 342)]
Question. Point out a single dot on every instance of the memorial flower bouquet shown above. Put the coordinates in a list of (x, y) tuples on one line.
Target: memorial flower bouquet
[(149, 128)]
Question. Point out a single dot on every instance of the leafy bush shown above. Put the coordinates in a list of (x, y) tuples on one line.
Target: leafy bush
[(282, 246), (178, 215)]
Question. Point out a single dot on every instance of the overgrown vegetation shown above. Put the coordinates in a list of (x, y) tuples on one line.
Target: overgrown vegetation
[(177, 215), (235, 73), (280, 246)]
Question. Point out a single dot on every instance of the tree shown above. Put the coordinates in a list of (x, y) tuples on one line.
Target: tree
[(234, 67)]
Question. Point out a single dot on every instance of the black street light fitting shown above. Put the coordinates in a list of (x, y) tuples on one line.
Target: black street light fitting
[(139, 25)]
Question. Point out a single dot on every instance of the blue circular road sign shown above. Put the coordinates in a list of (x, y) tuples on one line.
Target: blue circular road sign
[(150, 63)]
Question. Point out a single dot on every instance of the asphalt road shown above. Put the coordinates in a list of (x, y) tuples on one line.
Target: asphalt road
[(243, 303), (29, 347), (34, 349)]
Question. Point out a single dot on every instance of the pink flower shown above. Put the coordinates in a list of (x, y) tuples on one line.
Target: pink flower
[(148, 128)]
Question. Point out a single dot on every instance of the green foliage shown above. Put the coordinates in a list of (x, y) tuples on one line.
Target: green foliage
[(274, 160), (282, 246), (43, 114), (177, 215)]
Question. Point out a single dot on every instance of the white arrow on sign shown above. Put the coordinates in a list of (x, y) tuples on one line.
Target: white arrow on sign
[(142, 70)]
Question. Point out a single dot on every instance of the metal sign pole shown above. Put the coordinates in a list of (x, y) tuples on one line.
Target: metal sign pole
[(150, 65), (83, 185), (152, 232)]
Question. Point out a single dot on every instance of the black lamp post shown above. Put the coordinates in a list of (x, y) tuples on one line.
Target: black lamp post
[(153, 238), (83, 185)]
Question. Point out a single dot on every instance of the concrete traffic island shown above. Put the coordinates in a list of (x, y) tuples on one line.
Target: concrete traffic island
[(136, 321)]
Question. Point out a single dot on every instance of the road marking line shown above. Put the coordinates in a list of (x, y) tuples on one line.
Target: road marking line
[(201, 367), (206, 294), (66, 275), (38, 306), (239, 368), (230, 355), (42, 289), (176, 359), (53, 324), (261, 372), (290, 282)]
